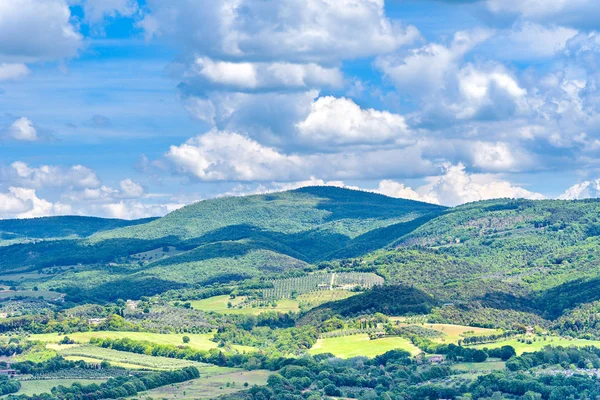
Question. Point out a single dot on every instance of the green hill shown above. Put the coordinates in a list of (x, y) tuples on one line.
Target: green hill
[(527, 256), (226, 239), (60, 227)]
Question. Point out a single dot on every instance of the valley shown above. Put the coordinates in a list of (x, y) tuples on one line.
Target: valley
[(316, 292)]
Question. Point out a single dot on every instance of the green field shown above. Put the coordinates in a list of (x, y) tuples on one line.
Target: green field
[(521, 348), (200, 341), (133, 360), (219, 304), (480, 368), (31, 388), (306, 301), (46, 294), (208, 388), (361, 345)]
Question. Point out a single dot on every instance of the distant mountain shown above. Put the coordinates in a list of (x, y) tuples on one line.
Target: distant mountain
[(227, 239), (346, 212), (529, 256), (60, 227)]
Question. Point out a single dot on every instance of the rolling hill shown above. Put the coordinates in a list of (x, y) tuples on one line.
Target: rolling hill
[(516, 258), (226, 239)]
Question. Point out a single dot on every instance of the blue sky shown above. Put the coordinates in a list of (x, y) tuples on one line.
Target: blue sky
[(125, 108)]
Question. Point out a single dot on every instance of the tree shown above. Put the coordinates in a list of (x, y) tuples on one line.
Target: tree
[(186, 339), (332, 390)]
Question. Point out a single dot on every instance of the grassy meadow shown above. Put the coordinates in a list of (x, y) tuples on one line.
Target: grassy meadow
[(209, 387), (521, 348), (199, 341), (361, 345)]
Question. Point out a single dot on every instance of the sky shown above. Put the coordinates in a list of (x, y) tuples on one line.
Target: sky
[(134, 108)]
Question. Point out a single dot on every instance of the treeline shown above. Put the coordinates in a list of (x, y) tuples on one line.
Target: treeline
[(52, 365), (218, 357), (116, 388), (390, 300), (395, 375), (274, 342), (582, 357)]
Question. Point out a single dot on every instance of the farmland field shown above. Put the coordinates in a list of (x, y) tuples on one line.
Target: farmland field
[(219, 304), (521, 348), (306, 301), (134, 360), (209, 388), (481, 368), (361, 345), (34, 387), (199, 341)]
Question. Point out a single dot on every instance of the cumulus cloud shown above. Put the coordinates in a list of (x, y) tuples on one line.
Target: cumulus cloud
[(291, 30), (340, 121), (230, 156), (37, 30), (488, 94), (96, 11), (251, 76), (12, 71), (23, 129), (134, 209), (427, 68), (527, 40), (456, 187), (48, 176), (583, 190), (131, 189), (24, 203), (267, 117), (581, 14)]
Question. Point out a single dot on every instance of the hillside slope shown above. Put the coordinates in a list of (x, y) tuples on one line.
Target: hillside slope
[(505, 254), (225, 239), (60, 227)]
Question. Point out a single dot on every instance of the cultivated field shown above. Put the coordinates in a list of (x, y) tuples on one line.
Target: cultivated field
[(95, 354), (209, 388), (361, 345), (199, 341), (36, 387), (305, 301), (521, 348)]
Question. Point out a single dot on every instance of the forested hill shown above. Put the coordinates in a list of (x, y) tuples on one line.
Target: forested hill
[(534, 257), (60, 227), (336, 210), (223, 240)]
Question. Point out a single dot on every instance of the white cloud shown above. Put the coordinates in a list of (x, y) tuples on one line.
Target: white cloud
[(526, 40), (488, 94), (131, 189), (267, 117), (245, 76), (24, 203), (134, 209), (456, 187), (340, 121), (12, 71), (290, 30), (583, 14), (583, 190), (47, 176), (229, 156), (427, 68), (496, 157), (23, 129), (95, 11), (37, 30)]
